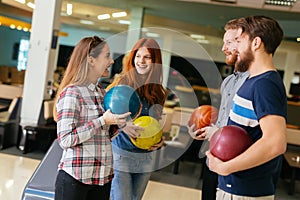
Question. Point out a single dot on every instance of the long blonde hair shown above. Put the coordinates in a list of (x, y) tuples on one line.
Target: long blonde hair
[(77, 68)]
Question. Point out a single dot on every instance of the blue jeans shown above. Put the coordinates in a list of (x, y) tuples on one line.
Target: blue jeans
[(131, 174), (129, 186)]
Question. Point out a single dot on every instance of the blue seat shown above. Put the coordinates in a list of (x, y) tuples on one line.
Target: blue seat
[(41, 185)]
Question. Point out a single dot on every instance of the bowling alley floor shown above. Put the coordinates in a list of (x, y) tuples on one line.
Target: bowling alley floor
[(15, 171)]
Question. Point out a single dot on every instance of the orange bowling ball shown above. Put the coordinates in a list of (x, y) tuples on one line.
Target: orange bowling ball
[(203, 116), (229, 141)]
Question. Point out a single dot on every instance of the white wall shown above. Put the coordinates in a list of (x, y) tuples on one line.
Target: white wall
[(290, 62)]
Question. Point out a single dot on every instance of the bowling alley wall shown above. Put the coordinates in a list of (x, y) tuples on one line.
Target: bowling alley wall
[(286, 59)]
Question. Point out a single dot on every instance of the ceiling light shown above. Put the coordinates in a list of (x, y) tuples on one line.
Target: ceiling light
[(20, 25), (196, 36), (31, 5), (63, 13), (13, 23), (280, 2), (124, 22), (103, 16), (69, 8), (298, 39), (87, 22), (203, 41), (119, 14), (21, 1), (149, 34)]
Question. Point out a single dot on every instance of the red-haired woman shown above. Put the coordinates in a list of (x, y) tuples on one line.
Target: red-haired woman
[(132, 165)]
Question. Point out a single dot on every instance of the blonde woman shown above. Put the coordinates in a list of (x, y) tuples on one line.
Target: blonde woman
[(83, 127)]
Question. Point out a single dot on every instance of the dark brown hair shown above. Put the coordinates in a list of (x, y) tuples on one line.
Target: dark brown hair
[(264, 27)]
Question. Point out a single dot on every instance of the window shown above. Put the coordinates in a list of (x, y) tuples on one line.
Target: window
[(23, 54)]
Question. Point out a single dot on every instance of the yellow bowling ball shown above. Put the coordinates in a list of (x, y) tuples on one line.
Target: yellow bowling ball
[(151, 134)]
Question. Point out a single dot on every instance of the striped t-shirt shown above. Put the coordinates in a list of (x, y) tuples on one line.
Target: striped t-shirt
[(259, 96)]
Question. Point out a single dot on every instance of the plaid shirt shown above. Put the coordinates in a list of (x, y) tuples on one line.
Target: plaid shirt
[(87, 154)]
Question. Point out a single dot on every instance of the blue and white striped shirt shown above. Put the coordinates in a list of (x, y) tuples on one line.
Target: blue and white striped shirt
[(259, 96)]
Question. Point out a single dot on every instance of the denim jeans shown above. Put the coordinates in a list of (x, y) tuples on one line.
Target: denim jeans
[(129, 186), (131, 174)]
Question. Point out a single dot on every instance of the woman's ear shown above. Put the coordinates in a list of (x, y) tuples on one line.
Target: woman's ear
[(90, 60)]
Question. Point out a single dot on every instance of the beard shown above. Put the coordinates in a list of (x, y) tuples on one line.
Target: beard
[(243, 64), (231, 59)]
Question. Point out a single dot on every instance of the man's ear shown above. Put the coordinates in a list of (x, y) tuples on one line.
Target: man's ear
[(256, 43)]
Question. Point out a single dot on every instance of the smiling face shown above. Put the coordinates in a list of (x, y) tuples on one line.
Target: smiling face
[(229, 46), (143, 61), (101, 64)]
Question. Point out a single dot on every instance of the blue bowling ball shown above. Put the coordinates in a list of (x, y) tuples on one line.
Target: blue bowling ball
[(121, 99)]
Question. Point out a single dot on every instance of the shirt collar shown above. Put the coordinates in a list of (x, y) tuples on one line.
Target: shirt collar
[(92, 87), (240, 74)]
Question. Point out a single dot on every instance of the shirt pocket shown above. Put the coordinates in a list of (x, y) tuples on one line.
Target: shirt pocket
[(91, 111)]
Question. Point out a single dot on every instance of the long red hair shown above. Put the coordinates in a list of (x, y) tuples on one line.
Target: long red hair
[(151, 88)]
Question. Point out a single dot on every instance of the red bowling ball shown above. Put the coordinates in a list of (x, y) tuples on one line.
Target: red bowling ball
[(229, 142), (203, 116)]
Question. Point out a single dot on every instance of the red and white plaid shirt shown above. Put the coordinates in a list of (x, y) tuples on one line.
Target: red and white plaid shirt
[(87, 154)]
